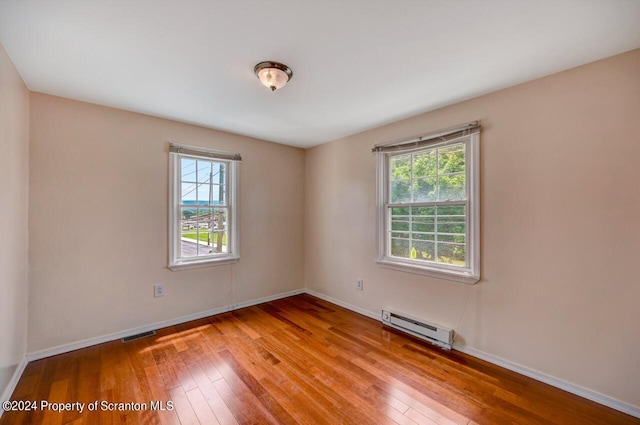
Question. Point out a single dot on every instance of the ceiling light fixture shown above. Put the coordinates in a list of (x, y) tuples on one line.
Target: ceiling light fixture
[(273, 75)]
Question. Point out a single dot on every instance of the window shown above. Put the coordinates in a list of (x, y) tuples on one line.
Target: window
[(203, 210), (428, 205)]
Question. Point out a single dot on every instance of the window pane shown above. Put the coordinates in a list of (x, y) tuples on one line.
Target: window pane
[(204, 171), (424, 164), (404, 235), (219, 194), (203, 193), (188, 249), (451, 254), (211, 194), (451, 159), (401, 191), (220, 232), (188, 218), (188, 232), (424, 189), (219, 173), (424, 251), (205, 221), (452, 188), (400, 248), (188, 193), (401, 167), (220, 219), (188, 169)]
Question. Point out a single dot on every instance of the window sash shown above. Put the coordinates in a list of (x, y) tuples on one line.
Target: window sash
[(198, 230), (436, 233), (227, 165)]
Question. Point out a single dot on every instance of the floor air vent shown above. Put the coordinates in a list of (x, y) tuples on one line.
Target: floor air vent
[(138, 336), (427, 331)]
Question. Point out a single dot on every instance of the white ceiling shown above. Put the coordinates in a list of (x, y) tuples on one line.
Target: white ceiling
[(357, 64)]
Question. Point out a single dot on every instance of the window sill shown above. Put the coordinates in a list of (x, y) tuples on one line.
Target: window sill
[(203, 263), (458, 276)]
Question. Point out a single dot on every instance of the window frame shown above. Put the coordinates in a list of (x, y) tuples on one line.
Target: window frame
[(176, 262), (470, 273)]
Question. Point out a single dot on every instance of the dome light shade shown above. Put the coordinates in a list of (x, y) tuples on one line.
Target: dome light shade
[(273, 75)]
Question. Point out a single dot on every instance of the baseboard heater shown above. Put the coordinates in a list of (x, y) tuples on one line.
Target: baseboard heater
[(434, 334)]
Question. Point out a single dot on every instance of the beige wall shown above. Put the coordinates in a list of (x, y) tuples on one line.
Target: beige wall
[(98, 223), (560, 227), (14, 207)]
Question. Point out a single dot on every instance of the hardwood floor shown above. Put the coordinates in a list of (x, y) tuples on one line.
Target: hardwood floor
[(299, 360)]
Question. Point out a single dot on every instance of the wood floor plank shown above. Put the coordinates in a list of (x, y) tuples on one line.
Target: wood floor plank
[(213, 398), (159, 393), (183, 407), (201, 407), (299, 360), (244, 406), (420, 419), (58, 394)]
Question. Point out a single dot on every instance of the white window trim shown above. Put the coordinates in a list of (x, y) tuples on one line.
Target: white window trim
[(469, 274), (233, 238)]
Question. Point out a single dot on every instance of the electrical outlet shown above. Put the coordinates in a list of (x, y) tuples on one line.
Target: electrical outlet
[(158, 290), (360, 285)]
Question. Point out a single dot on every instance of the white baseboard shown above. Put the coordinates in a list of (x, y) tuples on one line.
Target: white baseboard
[(11, 386), (37, 355), (269, 298), (514, 367), (348, 306), (554, 382)]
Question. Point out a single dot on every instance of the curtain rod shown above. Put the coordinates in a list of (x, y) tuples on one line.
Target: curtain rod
[(206, 152), (459, 130)]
